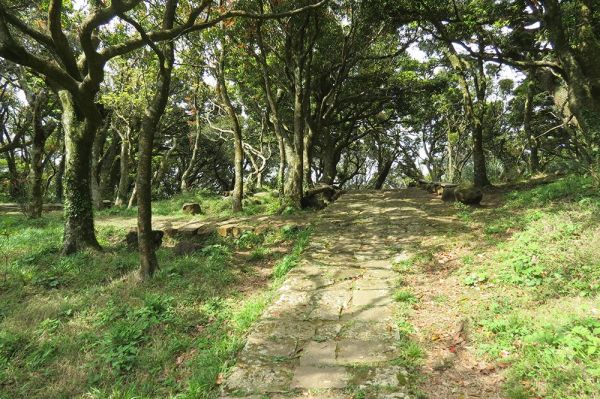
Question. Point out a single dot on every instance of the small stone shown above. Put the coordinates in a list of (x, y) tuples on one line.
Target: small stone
[(191, 208)]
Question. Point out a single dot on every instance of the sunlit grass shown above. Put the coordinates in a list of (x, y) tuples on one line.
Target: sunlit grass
[(85, 324)]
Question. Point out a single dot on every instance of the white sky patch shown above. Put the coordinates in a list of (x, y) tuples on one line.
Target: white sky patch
[(415, 52), (535, 25)]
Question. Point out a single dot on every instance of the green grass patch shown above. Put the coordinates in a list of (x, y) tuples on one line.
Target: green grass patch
[(539, 257), (84, 326)]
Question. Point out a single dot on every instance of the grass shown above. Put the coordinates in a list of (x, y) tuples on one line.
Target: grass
[(84, 326), (539, 264), (211, 204)]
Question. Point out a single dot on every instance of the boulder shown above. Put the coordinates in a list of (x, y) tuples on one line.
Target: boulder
[(448, 194), (468, 195), (191, 208), (131, 239)]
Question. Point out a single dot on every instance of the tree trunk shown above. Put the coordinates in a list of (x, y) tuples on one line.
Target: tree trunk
[(164, 165), (152, 115), (306, 163), (383, 171), (97, 151), (480, 178), (132, 198), (196, 149), (37, 157), (293, 183), (532, 141), (238, 186), (330, 160), (295, 151), (124, 180), (584, 103), (281, 168), (79, 138), (58, 190)]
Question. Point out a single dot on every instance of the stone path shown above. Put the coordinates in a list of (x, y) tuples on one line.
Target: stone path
[(332, 328)]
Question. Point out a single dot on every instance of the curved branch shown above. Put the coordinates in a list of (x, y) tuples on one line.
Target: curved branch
[(192, 26), (63, 50)]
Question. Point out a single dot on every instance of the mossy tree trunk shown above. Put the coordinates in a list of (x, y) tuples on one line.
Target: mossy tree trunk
[(36, 170), (79, 133)]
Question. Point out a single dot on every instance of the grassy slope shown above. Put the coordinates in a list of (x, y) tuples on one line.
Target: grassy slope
[(84, 326), (545, 249), (531, 271)]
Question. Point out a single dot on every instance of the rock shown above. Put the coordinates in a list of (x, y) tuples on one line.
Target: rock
[(237, 231), (191, 208), (448, 194), (225, 230), (468, 195), (132, 239), (186, 248), (191, 229)]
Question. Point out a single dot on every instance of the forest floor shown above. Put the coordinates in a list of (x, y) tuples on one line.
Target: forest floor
[(389, 294)]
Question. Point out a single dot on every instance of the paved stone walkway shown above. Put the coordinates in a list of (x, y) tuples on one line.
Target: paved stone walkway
[(331, 328)]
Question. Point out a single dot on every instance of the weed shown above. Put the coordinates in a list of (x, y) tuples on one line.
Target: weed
[(291, 260), (405, 297), (259, 254)]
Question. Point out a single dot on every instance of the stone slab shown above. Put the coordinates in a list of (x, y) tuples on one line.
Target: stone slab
[(318, 354), (352, 351), (373, 314), (258, 379), (371, 297), (309, 377)]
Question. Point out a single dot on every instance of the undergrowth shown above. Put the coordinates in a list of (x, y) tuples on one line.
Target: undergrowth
[(84, 326), (542, 246)]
